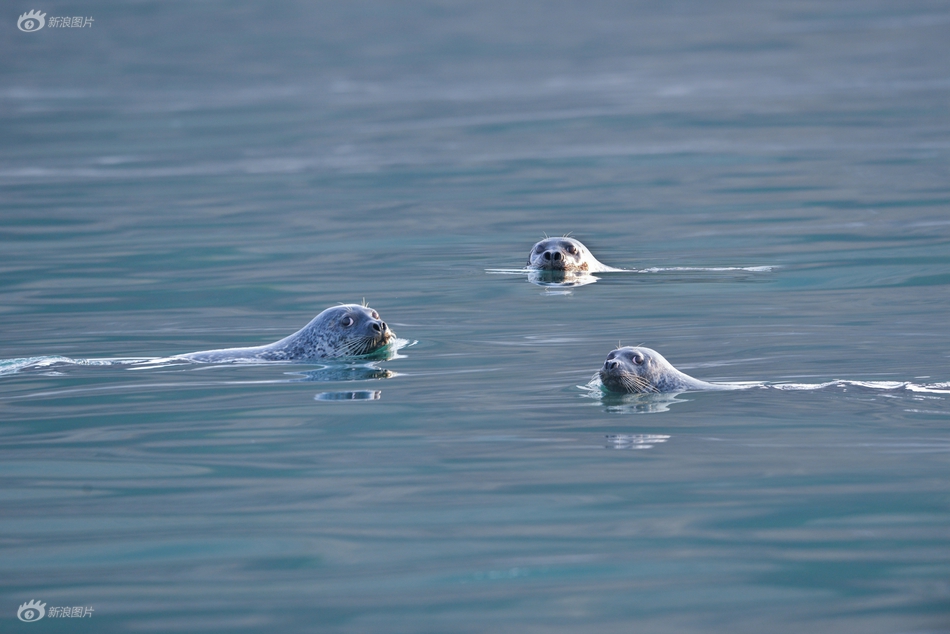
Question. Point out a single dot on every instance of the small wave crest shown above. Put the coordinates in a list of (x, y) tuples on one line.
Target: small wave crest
[(714, 269), (13, 366), (595, 388), (890, 386), (50, 363), (569, 279)]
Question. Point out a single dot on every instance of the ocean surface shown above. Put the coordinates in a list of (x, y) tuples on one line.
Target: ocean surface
[(774, 176)]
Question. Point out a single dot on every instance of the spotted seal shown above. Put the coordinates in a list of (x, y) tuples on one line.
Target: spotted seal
[(637, 370), (564, 255), (348, 330)]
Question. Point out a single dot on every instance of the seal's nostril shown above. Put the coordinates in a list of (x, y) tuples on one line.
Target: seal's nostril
[(547, 255), (557, 256), (376, 326)]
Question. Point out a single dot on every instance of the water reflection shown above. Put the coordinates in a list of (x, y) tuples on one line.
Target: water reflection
[(561, 278), (635, 441), (335, 372), (358, 395), (365, 372), (550, 280), (640, 403)]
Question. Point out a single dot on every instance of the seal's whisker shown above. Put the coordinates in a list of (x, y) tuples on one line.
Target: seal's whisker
[(632, 382), (647, 386), (628, 386), (358, 345), (363, 345), (636, 383)]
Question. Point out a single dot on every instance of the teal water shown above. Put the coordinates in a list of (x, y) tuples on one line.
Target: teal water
[(184, 177)]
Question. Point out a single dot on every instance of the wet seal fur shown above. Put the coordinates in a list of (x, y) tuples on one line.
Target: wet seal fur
[(637, 370), (348, 330), (565, 255)]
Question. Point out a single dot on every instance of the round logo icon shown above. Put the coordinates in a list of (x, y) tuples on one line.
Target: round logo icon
[(32, 611), (29, 22)]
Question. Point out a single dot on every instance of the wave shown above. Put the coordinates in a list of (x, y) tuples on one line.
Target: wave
[(13, 366), (51, 363), (594, 388)]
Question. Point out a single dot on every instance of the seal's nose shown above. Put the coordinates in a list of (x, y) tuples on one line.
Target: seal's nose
[(611, 364), (379, 326), (552, 255)]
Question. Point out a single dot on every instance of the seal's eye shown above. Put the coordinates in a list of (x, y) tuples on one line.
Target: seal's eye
[(638, 359), (347, 321), (572, 249), (375, 315)]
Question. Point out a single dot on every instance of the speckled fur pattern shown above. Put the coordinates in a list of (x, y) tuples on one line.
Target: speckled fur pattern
[(348, 330), (638, 370), (563, 254)]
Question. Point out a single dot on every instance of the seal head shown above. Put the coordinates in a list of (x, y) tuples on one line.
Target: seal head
[(348, 330), (637, 370), (564, 255)]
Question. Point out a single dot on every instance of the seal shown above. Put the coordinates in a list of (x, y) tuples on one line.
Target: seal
[(637, 370), (564, 255), (348, 330)]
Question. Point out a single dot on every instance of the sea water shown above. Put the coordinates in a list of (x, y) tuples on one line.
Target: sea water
[(773, 176)]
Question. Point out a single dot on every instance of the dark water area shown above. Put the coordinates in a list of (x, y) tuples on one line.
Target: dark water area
[(186, 176)]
